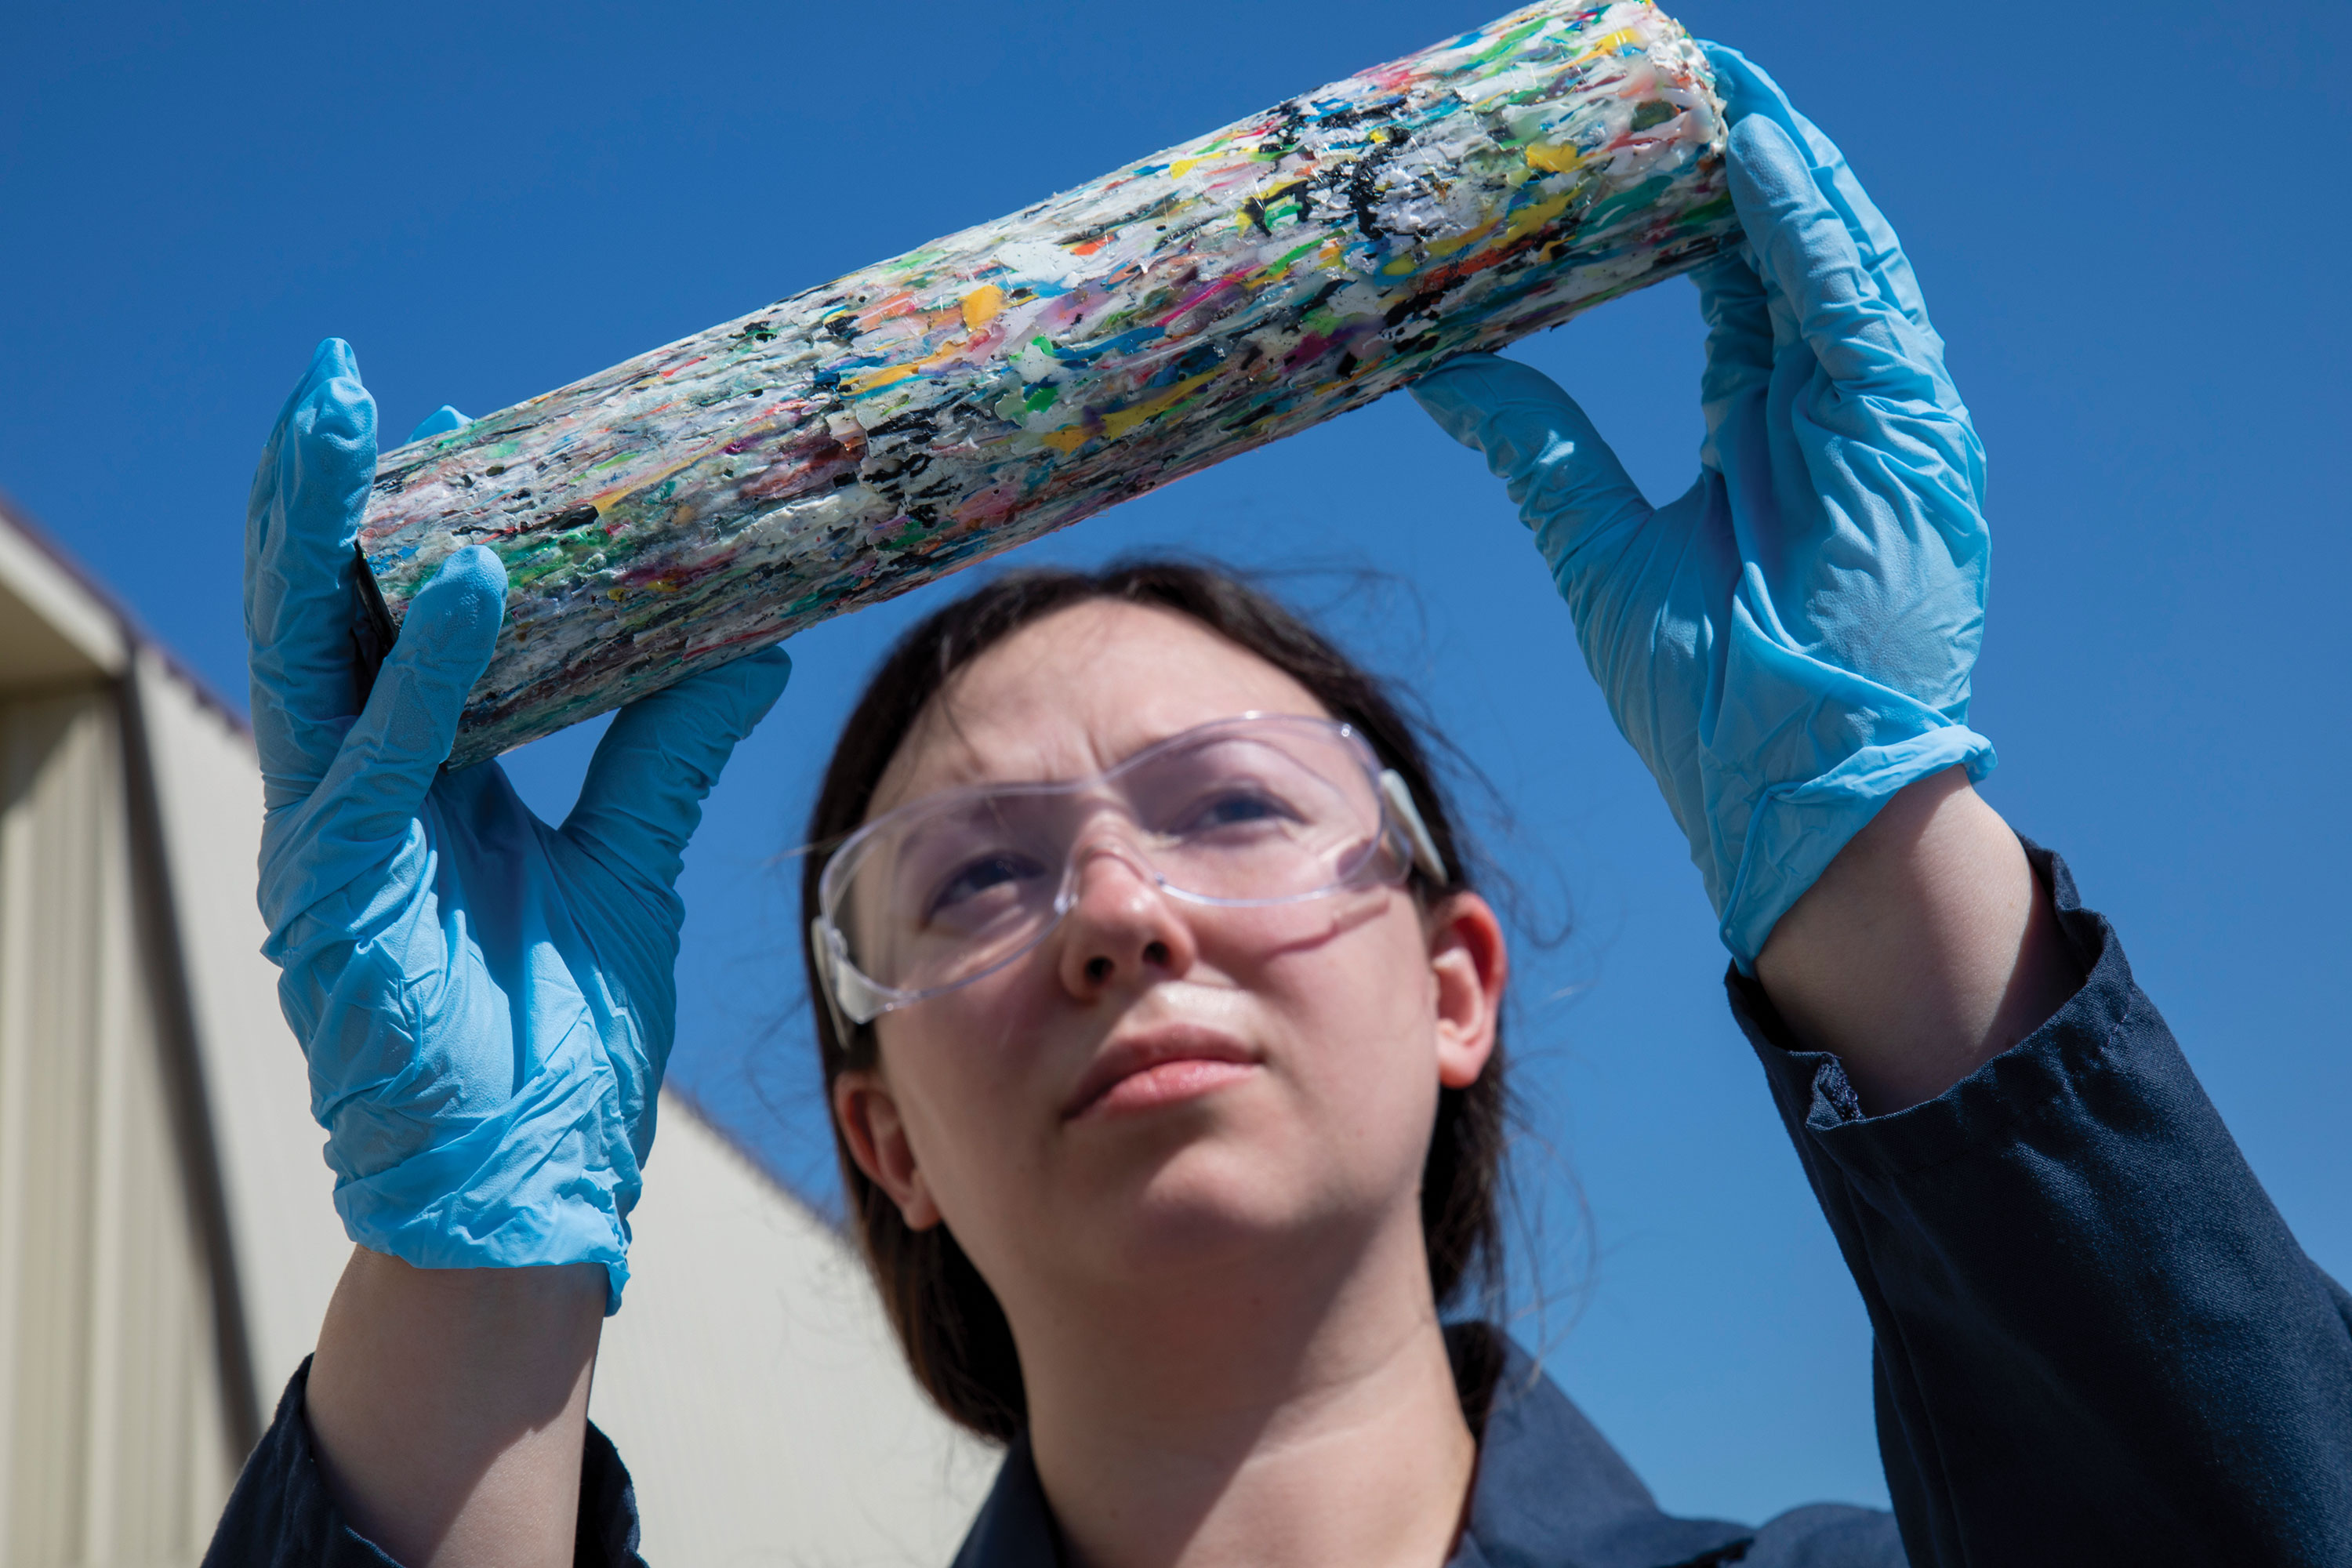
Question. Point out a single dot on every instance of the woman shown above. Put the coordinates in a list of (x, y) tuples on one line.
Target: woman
[(1160, 1025)]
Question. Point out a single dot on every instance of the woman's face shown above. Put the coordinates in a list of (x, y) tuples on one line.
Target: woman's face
[(1161, 1085)]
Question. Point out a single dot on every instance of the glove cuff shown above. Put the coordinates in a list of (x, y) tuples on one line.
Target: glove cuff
[(1797, 829), (494, 1196)]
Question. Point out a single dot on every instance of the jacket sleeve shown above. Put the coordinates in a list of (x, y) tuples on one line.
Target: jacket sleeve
[(279, 1514), (2095, 1338)]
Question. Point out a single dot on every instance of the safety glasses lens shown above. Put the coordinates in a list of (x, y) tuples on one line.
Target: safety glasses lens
[(1251, 812)]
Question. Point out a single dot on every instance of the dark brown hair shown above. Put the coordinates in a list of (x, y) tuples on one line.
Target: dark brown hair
[(948, 1320)]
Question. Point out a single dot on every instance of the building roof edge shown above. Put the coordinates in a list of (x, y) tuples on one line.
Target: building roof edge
[(136, 637)]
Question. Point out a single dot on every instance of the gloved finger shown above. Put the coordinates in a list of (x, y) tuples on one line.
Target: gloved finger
[(1805, 254), (642, 799), (1569, 486), (308, 495), (1745, 90), (440, 422), (1739, 315), (395, 750)]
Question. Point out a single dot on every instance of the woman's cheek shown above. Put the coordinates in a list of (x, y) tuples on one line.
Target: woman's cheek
[(958, 1073), (1362, 1018)]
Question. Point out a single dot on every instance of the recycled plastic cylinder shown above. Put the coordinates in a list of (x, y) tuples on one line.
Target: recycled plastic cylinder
[(856, 440)]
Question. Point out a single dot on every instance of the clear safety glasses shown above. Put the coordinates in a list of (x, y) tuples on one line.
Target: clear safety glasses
[(1247, 812)]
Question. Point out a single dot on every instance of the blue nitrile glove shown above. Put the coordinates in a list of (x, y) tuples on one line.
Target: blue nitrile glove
[(487, 1003), (1789, 643)]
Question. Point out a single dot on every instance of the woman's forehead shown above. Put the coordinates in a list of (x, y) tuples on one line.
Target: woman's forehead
[(1075, 692)]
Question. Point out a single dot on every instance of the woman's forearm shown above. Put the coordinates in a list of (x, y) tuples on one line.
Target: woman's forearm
[(449, 1407), (1925, 948)]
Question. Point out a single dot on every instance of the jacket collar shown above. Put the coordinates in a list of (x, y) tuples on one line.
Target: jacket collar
[(1550, 1493)]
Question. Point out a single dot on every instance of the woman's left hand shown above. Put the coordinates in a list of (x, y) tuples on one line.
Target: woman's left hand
[(486, 1003), (1789, 645)]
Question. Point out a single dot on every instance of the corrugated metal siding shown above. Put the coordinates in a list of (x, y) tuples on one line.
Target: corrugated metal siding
[(112, 1425)]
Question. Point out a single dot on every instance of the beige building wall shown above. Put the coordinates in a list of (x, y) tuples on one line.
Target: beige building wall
[(114, 1435), (167, 1241)]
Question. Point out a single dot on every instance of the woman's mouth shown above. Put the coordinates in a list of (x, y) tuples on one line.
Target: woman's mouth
[(1160, 1066)]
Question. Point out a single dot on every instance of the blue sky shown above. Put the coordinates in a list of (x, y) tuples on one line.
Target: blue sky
[(2128, 219)]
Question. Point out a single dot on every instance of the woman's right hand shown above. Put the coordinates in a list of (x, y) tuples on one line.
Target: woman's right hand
[(1789, 645), (487, 1004)]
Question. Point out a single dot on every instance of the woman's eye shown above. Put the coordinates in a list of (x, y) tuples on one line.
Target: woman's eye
[(1232, 810), (978, 876)]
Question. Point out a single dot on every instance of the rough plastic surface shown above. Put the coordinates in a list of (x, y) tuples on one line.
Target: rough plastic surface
[(856, 440)]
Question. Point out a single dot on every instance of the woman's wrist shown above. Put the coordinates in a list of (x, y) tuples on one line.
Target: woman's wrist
[(1927, 948), (448, 1407)]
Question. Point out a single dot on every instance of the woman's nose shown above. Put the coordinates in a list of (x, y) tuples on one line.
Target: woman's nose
[(1122, 929)]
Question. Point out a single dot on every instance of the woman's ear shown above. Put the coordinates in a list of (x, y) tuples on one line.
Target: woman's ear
[(1469, 961), (868, 1115)]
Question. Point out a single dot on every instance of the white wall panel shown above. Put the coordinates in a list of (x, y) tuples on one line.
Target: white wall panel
[(754, 1390)]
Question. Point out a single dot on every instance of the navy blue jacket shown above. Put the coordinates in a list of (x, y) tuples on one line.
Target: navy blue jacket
[(2095, 1342)]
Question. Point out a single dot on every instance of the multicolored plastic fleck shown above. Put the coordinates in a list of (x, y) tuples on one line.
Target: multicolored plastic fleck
[(856, 440)]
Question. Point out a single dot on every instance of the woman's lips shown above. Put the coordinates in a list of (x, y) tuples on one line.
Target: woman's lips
[(1160, 1066), (1166, 1084)]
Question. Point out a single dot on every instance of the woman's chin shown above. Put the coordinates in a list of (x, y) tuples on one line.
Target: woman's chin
[(1214, 1207)]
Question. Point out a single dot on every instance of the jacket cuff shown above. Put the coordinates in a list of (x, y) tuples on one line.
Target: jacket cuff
[(2043, 1078)]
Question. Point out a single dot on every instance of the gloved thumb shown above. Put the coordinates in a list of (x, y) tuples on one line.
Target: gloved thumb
[(440, 422), (1566, 481), (392, 754), (642, 799)]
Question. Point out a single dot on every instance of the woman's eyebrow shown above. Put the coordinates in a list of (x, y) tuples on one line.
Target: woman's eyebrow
[(967, 772)]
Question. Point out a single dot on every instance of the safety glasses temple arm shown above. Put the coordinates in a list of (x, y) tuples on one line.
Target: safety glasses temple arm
[(849, 996), (1398, 796)]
